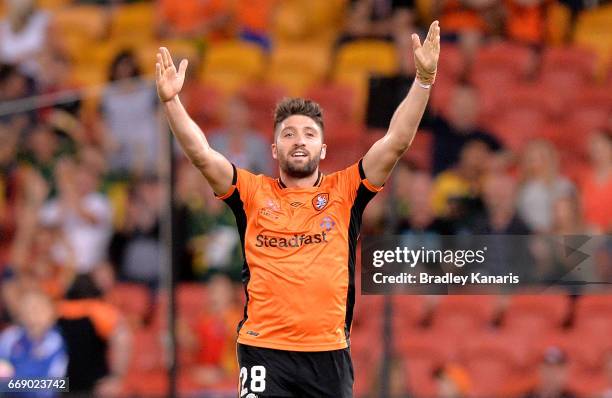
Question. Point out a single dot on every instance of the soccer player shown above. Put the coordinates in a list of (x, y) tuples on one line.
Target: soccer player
[(299, 233)]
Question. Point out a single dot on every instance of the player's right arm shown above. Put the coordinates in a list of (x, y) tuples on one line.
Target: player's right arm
[(214, 166)]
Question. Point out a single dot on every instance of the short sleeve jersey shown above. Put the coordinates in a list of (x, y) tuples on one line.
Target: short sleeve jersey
[(299, 247)]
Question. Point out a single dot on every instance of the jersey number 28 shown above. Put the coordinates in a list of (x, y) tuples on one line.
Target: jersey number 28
[(258, 379)]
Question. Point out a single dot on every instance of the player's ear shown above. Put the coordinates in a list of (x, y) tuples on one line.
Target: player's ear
[(323, 151), (274, 151)]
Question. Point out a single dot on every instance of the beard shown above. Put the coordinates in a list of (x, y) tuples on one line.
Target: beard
[(299, 170)]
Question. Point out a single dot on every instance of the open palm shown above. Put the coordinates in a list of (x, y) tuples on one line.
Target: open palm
[(169, 81), (426, 55)]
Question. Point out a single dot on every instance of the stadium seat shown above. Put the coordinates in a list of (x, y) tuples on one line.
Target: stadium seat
[(132, 299), (134, 20), (192, 299), (532, 314), (495, 363), (336, 100), (516, 60), (441, 94), (368, 57), (83, 21), (356, 61), (594, 315), (593, 31), (516, 126), (297, 67), (53, 4), (229, 65), (464, 314), (573, 58), (262, 99), (423, 352), (452, 65)]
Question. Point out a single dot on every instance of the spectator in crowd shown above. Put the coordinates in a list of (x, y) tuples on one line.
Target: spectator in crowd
[(194, 19), (567, 217), (452, 381), (214, 334), (40, 257), (460, 125), (244, 146), (209, 231), (34, 348), (499, 197), (541, 185), (44, 148), (15, 85), (420, 215), (468, 16), (552, 380), (97, 340), (136, 249), (525, 21), (378, 19), (63, 117), (129, 110), (8, 167), (455, 191), (23, 35), (83, 214), (253, 19), (596, 186)]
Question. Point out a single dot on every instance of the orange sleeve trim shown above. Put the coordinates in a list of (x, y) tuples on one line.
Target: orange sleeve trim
[(371, 186), (227, 194)]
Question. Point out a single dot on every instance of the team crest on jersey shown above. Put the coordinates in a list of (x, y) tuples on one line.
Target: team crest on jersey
[(320, 201)]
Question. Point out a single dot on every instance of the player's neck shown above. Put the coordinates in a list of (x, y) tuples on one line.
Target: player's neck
[(306, 182)]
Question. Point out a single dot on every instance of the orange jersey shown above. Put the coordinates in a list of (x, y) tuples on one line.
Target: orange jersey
[(299, 249)]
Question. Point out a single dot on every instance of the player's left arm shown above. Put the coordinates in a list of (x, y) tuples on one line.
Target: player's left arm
[(384, 154)]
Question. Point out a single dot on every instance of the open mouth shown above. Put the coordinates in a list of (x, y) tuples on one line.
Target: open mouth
[(299, 154)]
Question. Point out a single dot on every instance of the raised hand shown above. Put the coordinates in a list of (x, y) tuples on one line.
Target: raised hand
[(169, 80), (426, 55)]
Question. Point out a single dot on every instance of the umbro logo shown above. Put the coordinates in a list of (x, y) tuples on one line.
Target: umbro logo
[(296, 204)]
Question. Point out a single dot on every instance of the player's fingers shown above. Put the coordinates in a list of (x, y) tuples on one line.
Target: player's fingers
[(183, 67), (432, 30), (416, 42), (160, 61), (158, 73), (166, 57)]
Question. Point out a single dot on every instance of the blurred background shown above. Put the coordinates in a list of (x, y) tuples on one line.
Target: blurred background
[(517, 139)]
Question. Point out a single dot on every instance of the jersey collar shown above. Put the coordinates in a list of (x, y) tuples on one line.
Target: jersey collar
[(316, 184)]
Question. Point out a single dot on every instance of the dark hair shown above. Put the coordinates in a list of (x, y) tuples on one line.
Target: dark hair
[(298, 106), (124, 56), (83, 287)]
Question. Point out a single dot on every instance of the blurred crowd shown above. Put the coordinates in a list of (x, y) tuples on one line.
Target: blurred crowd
[(84, 158)]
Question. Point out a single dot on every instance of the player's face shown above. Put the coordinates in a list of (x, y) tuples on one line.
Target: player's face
[(299, 146)]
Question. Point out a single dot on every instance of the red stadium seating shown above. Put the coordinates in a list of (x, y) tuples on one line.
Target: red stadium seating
[(496, 363), (594, 316), (464, 314), (531, 314), (133, 300), (422, 352), (580, 60), (513, 59), (192, 299), (262, 99), (336, 100)]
